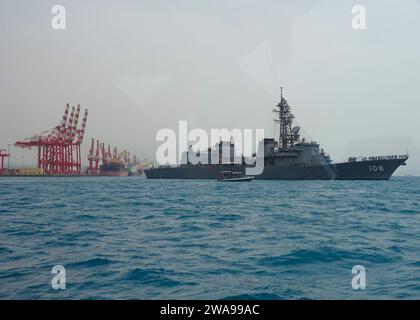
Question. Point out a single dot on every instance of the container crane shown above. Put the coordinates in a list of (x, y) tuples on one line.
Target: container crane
[(59, 148)]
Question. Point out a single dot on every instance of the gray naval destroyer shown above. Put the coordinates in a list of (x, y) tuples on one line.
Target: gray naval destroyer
[(289, 158)]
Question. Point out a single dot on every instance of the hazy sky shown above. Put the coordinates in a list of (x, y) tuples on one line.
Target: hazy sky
[(140, 66)]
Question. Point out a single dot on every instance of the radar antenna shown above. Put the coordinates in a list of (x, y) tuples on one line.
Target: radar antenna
[(287, 137)]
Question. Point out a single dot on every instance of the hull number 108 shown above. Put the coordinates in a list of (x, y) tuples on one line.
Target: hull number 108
[(376, 168)]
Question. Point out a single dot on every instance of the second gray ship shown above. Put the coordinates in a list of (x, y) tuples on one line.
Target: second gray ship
[(289, 158)]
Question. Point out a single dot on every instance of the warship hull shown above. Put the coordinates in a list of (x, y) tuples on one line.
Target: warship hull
[(191, 171), (316, 172), (358, 170), (367, 170)]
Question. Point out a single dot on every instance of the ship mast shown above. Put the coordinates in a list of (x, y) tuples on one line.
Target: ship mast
[(285, 119)]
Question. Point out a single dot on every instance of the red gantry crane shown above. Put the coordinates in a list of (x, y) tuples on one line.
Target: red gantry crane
[(59, 149), (93, 158), (3, 154), (97, 156)]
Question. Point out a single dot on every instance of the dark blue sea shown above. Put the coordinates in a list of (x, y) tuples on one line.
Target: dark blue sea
[(133, 238)]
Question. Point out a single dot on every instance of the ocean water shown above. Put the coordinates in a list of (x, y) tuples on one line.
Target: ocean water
[(133, 238)]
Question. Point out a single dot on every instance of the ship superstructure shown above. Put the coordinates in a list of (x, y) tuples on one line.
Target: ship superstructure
[(291, 157)]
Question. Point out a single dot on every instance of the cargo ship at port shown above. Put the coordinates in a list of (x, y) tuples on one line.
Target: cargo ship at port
[(289, 158), (114, 164), (113, 169)]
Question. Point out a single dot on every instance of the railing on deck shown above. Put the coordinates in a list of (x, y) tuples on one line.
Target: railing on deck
[(390, 157)]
